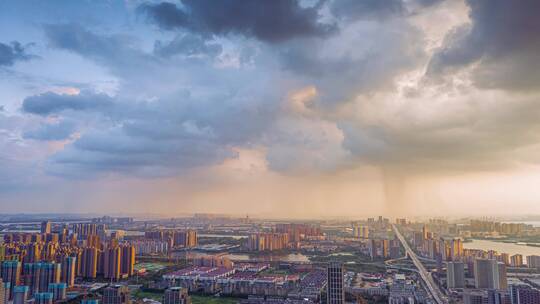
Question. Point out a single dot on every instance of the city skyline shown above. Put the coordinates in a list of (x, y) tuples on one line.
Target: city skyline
[(283, 109)]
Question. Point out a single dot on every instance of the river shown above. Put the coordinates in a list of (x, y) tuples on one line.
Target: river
[(510, 248)]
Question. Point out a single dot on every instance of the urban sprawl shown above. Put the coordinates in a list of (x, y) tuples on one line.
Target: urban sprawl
[(220, 259)]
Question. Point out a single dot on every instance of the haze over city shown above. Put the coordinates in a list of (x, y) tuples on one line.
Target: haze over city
[(296, 109)]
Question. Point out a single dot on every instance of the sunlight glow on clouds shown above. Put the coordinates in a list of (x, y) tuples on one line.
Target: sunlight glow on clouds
[(335, 108)]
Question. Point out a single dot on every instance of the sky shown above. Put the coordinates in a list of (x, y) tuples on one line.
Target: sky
[(282, 108)]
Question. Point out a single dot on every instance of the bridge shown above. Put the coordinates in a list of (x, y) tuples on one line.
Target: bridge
[(432, 287)]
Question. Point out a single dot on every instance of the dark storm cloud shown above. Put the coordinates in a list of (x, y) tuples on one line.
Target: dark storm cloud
[(12, 52), (270, 21), (49, 103), (55, 131), (503, 38)]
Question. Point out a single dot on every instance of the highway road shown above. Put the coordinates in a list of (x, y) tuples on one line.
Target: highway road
[(435, 292)]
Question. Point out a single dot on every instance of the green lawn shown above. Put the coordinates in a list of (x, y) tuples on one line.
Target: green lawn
[(139, 294), (195, 299)]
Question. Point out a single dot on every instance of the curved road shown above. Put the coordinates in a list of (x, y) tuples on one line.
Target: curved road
[(437, 295)]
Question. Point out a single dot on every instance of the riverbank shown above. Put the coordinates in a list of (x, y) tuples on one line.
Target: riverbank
[(511, 248)]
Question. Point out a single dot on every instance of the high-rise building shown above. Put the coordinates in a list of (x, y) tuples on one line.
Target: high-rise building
[(360, 231), (498, 297), (335, 291), (11, 272), (3, 299), (69, 270), (176, 295), (490, 274), (373, 249), (505, 258), (20, 294), (38, 276), (475, 297), (516, 260), (502, 277), (533, 261), (43, 298), (483, 273), (456, 250), (83, 230), (268, 241), (89, 260), (7, 288), (524, 294), (116, 294), (128, 259), (58, 290), (112, 263), (455, 275), (186, 238), (45, 227), (385, 244), (33, 253)]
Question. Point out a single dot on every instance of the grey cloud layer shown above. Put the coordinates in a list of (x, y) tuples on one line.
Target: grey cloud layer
[(12, 52), (48, 103), (503, 38), (271, 21), (209, 86)]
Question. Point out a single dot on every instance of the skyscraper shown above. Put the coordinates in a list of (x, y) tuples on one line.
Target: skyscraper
[(128, 259), (490, 274), (89, 262), (11, 271), (455, 275), (483, 273), (335, 292), (38, 276), (69, 264), (111, 263)]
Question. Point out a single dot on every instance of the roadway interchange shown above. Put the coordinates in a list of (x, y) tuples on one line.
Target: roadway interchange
[(432, 287)]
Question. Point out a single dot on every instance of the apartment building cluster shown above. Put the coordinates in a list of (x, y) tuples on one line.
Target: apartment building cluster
[(174, 238), (45, 264)]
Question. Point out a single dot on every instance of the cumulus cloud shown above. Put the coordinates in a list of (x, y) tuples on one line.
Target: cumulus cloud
[(269, 21), (13, 52)]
